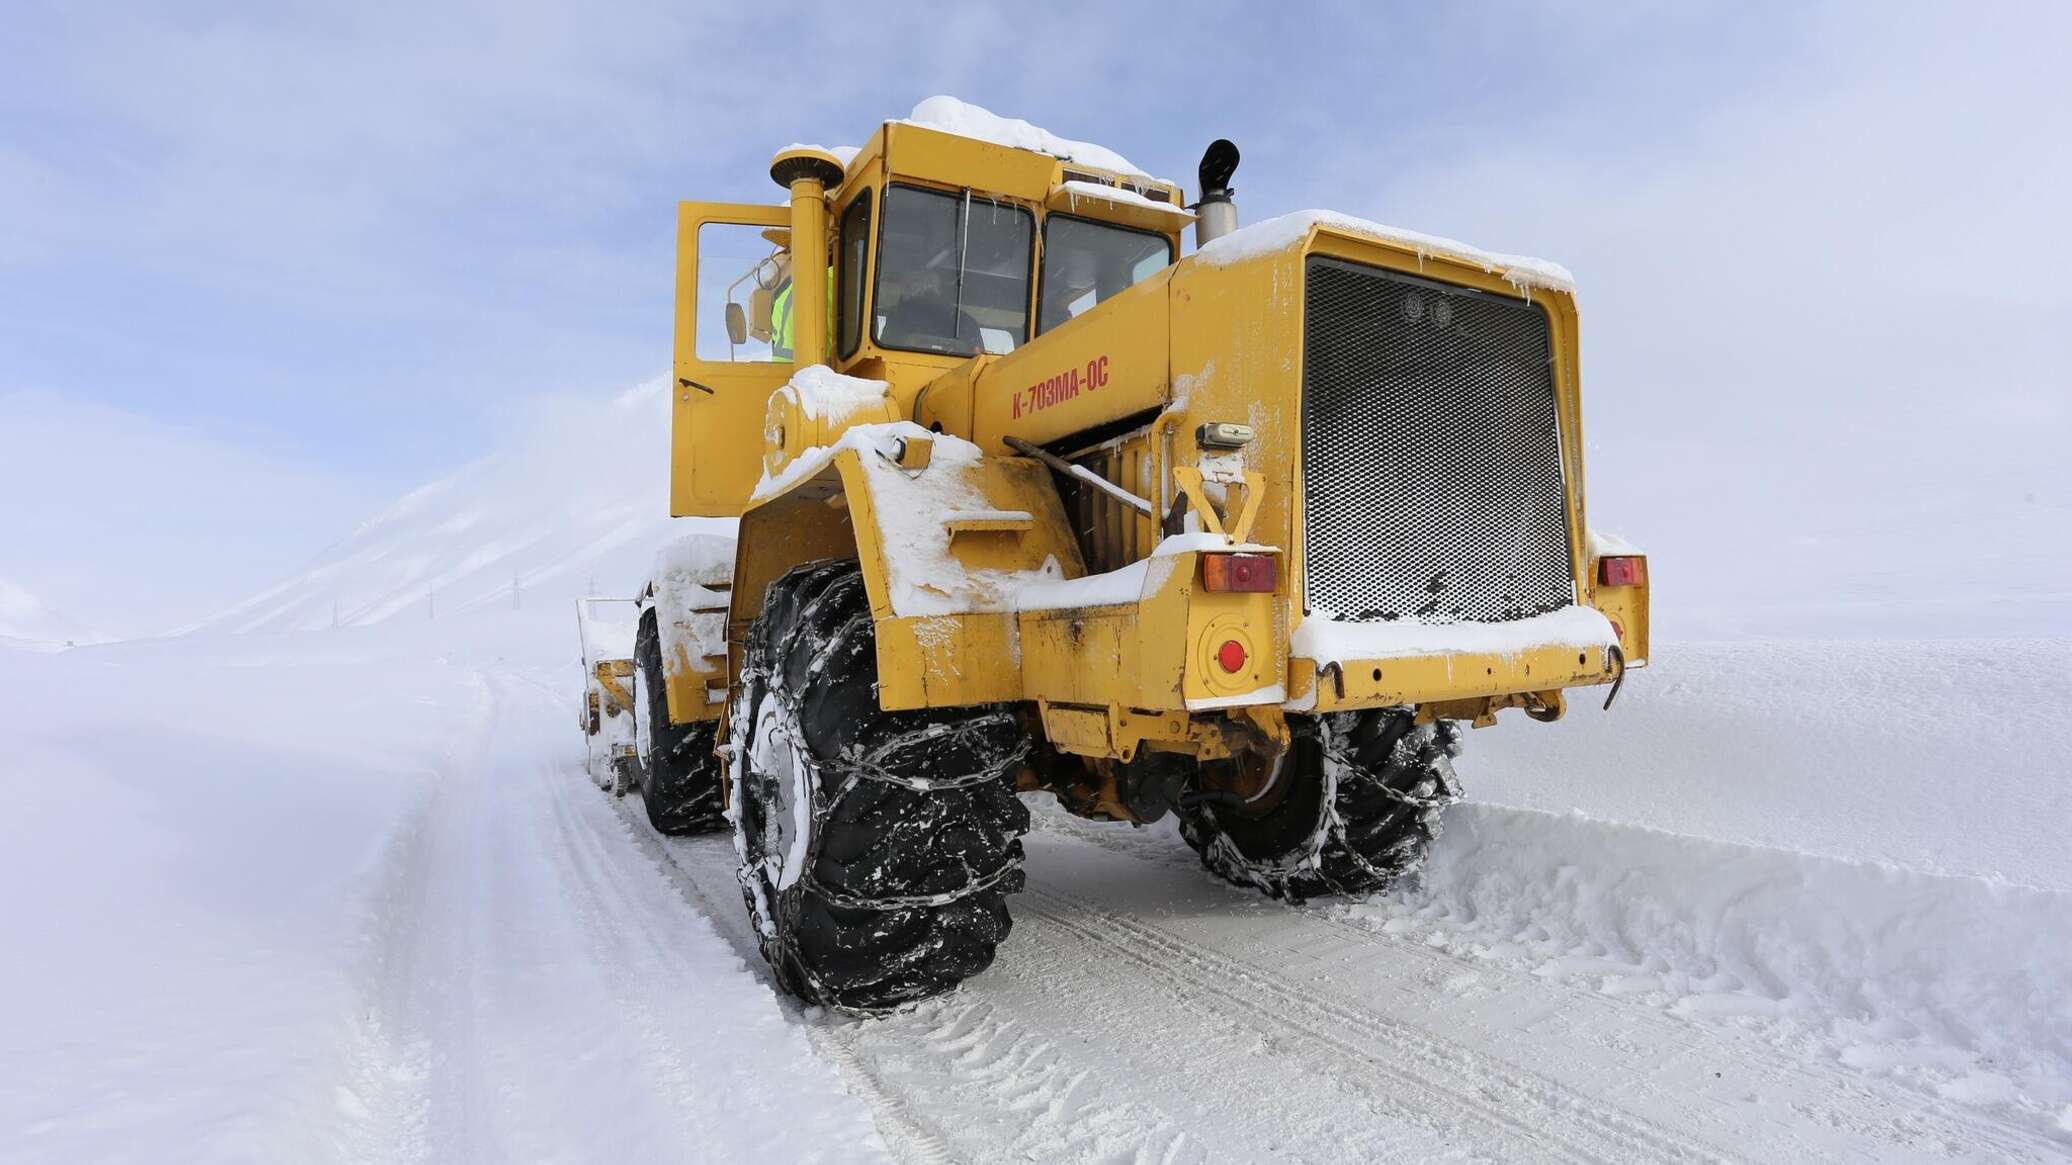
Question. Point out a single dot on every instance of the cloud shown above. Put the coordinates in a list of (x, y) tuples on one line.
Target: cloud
[(1819, 244), (1824, 329)]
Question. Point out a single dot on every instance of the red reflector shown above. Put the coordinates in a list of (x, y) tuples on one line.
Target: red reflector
[(1232, 656), (1622, 571), (1248, 573)]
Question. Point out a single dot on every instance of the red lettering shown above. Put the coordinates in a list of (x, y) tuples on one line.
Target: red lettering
[(1062, 386)]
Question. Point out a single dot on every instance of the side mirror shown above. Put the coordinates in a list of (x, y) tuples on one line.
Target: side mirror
[(737, 324)]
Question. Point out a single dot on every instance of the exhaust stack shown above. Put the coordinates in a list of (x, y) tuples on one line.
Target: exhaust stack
[(1216, 214)]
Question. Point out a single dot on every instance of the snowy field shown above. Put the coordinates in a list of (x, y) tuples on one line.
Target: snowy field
[(317, 892), (346, 895)]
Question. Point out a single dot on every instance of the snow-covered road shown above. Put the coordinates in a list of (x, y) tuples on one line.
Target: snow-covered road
[(540, 993), (348, 896), (1142, 1012)]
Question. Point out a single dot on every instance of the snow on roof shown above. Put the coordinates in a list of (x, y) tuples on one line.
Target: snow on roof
[(1121, 196), (843, 154), (950, 115), (1274, 234)]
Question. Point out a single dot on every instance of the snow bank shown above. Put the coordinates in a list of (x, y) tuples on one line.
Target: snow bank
[(1948, 756), (1957, 981), (345, 895), (1275, 234), (1328, 640), (950, 115)]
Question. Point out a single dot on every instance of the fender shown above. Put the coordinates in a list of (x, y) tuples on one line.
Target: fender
[(946, 538)]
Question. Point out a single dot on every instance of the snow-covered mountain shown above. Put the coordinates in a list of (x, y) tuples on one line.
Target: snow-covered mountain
[(573, 502), (27, 621)]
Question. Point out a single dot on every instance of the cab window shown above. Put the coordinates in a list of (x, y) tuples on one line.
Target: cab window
[(744, 285), (1085, 262), (855, 249), (953, 273)]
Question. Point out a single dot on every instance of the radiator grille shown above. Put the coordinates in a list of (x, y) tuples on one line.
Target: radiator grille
[(1432, 486)]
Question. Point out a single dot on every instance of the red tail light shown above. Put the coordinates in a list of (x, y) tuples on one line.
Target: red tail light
[(1246, 573), (1622, 571)]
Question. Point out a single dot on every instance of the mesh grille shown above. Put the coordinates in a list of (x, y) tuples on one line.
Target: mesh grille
[(1431, 452)]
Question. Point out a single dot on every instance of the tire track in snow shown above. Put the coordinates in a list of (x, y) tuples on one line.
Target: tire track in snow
[(1727, 1075), (702, 870), (532, 985), (415, 1025), (1461, 1088), (952, 1079)]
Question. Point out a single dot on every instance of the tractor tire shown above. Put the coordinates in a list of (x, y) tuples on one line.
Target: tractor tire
[(679, 774), (877, 848), (1362, 801)]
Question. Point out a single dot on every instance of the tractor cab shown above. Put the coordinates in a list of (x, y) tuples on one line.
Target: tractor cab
[(938, 249)]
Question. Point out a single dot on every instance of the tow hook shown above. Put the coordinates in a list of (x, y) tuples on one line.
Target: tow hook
[(1617, 658)]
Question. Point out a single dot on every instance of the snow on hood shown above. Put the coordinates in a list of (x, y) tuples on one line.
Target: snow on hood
[(1275, 234), (966, 120)]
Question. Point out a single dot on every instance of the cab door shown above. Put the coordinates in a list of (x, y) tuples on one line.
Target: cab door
[(732, 264)]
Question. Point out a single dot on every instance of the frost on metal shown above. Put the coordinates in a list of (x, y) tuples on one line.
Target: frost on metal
[(1276, 234)]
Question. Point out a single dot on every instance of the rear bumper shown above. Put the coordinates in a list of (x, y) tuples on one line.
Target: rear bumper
[(1340, 666)]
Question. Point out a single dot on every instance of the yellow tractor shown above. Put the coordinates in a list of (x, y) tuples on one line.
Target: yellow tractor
[(1031, 502)]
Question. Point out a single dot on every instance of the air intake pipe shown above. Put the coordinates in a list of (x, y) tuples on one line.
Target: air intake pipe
[(1215, 214), (808, 172)]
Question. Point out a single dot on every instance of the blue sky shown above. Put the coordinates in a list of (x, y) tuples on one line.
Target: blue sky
[(309, 255)]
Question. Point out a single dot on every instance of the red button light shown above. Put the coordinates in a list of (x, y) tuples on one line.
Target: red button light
[(1232, 656)]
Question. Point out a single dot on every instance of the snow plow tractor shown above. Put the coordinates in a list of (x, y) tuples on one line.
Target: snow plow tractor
[(1030, 502)]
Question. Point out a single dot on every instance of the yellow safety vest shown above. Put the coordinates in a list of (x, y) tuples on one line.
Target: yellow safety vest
[(780, 324), (781, 318)]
